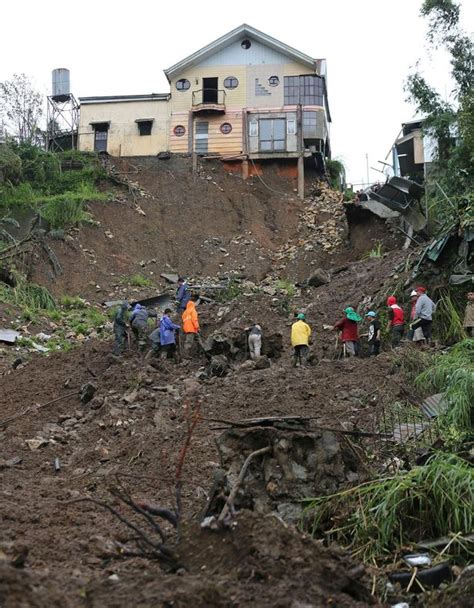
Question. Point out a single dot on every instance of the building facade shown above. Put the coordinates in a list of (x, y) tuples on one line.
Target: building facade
[(245, 95)]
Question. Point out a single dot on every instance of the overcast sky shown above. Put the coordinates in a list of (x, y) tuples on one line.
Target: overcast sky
[(122, 46)]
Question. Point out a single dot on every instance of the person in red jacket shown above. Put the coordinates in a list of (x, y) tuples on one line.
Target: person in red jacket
[(349, 331), (396, 320)]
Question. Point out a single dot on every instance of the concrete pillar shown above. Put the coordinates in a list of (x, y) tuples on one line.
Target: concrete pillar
[(245, 169), (301, 177)]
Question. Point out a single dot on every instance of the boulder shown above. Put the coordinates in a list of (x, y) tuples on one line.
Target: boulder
[(318, 278)]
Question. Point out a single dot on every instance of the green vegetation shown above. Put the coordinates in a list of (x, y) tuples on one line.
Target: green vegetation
[(36, 179), (232, 291), (29, 296), (449, 185), (336, 173), (453, 375), (287, 287), (381, 516), (375, 252), (137, 280), (447, 321)]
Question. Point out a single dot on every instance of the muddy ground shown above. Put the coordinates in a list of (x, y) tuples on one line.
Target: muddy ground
[(57, 550)]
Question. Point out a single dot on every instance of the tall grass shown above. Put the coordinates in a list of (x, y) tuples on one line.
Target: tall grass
[(28, 295), (453, 374), (380, 516), (447, 321)]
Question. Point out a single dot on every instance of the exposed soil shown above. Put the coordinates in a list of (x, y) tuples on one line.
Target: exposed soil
[(55, 551)]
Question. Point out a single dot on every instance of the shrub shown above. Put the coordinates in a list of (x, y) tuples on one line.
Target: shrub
[(380, 516)]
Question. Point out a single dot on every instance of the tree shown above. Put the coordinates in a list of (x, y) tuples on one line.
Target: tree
[(22, 107), (451, 122)]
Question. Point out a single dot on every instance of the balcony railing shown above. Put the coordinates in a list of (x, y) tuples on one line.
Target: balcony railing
[(209, 100)]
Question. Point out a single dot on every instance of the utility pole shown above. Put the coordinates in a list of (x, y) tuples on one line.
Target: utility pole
[(367, 167)]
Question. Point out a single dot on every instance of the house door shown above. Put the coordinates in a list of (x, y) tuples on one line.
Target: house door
[(209, 90), (272, 134), (100, 137), (201, 136)]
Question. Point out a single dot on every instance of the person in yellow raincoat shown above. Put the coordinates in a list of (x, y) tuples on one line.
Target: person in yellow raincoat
[(300, 335)]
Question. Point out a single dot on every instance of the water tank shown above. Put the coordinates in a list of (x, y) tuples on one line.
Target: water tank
[(61, 82)]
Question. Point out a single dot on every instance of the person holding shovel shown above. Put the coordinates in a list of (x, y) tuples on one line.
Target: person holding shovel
[(349, 331)]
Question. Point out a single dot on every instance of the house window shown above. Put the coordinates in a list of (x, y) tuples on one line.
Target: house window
[(231, 82), (144, 126), (306, 90), (245, 44), (179, 130), (273, 81), (253, 128), (183, 84), (309, 124), (272, 134), (291, 126), (226, 128)]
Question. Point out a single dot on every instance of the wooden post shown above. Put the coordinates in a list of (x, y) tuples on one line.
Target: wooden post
[(195, 162), (245, 169)]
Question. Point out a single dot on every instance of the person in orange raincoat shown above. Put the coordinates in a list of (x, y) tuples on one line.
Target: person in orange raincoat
[(190, 326)]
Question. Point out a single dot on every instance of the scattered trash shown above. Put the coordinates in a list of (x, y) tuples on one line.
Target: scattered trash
[(57, 465), (9, 336), (420, 580), (417, 559), (36, 443)]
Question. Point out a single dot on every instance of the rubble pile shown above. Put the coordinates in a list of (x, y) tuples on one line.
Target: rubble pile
[(322, 224), (302, 462)]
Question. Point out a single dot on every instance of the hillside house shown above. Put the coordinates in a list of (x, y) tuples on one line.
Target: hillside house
[(245, 96)]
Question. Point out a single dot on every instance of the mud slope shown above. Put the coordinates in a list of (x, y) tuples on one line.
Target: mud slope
[(207, 224)]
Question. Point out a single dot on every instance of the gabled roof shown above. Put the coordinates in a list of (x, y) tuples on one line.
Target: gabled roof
[(240, 32)]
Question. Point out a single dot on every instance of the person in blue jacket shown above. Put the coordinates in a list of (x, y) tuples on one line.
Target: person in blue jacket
[(168, 331), (183, 295)]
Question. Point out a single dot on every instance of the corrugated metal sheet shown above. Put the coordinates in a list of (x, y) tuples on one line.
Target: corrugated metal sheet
[(434, 406)]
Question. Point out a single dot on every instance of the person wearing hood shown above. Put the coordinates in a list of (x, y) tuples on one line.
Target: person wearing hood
[(183, 295), (373, 337), (255, 341), (168, 331), (120, 328), (349, 331), (190, 326), (413, 299), (424, 309), (396, 320), (139, 323), (300, 335)]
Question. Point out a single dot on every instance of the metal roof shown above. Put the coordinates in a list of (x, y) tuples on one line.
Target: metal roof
[(121, 98), (232, 36)]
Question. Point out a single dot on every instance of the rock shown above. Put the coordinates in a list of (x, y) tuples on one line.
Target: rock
[(4, 464), (247, 366), (262, 362), (130, 397), (218, 366), (318, 278), (36, 443), (87, 392)]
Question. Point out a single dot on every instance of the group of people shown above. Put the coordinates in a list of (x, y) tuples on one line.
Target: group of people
[(164, 338), (166, 343), (419, 325)]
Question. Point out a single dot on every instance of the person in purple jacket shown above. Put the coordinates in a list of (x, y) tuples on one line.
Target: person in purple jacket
[(168, 331), (183, 295)]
